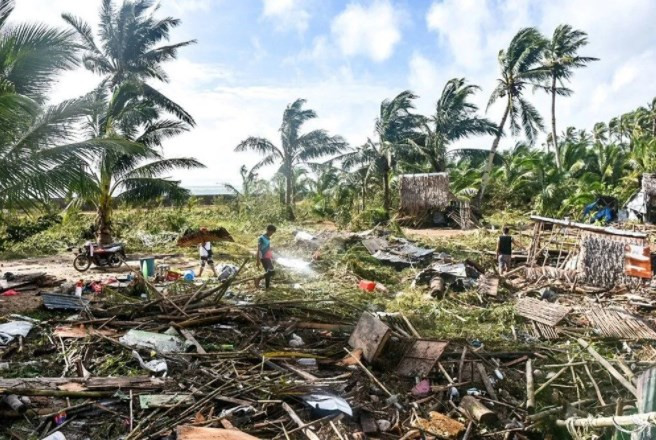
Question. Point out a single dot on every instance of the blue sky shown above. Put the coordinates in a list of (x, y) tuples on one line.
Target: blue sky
[(255, 56)]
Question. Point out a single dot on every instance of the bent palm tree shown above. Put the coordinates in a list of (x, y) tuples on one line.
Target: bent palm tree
[(130, 176), (295, 148), (395, 126), (519, 67), (129, 50), (560, 59), (454, 119)]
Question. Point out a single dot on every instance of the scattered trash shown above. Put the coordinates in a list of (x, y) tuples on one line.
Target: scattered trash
[(163, 343), (10, 292), (12, 329), (383, 425), (53, 301), (154, 366), (55, 436), (368, 286), (440, 425), (296, 341), (423, 388), (328, 403)]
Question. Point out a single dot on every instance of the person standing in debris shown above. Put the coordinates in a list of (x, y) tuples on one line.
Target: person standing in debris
[(205, 252), (265, 256), (504, 250)]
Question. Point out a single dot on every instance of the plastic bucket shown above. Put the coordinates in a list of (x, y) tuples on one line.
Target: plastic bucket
[(147, 266)]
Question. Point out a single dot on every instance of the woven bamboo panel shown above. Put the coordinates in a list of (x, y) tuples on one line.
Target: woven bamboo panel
[(542, 331), (552, 273), (541, 311), (617, 323), (602, 259)]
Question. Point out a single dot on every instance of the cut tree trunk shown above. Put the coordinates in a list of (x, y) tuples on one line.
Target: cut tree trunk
[(289, 194), (386, 192), (490, 157), (478, 411)]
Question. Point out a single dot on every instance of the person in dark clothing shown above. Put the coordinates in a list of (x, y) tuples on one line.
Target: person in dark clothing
[(504, 250), (265, 256)]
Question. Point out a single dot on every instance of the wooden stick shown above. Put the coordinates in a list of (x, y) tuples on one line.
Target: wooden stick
[(554, 377), (486, 381), (616, 374), (462, 363), (369, 373), (308, 432), (594, 384), (530, 386), (605, 422)]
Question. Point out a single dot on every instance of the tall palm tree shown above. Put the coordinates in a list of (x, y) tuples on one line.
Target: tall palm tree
[(363, 162), (454, 119), (520, 67), (295, 148), (130, 176), (395, 126), (37, 144), (129, 50), (560, 59)]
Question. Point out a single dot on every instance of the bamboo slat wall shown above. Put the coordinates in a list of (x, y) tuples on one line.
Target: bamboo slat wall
[(420, 193), (649, 185)]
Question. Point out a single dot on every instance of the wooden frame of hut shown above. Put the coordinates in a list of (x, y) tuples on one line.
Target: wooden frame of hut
[(424, 197), (584, 254)]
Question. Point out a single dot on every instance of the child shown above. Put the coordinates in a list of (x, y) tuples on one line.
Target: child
[(205, 252), (265, 256)]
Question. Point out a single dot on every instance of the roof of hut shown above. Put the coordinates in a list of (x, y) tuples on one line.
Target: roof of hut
[(649, 184), (424, 192)]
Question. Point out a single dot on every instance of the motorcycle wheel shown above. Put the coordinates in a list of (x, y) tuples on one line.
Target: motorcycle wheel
[(82, 262), (115, 260)]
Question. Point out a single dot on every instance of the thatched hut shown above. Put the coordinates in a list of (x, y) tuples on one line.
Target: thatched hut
[(426, 198), (422, 193), (579, 253)]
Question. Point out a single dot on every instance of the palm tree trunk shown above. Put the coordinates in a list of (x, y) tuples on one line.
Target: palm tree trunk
[(103, 224), (386, 193), (364, 195), (554, 137), (289, 193), (490, 157)]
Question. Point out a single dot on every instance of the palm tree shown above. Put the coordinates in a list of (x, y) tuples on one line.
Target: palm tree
[(454, 119), (129, 176), (36, 142), (519, 68), (248, 181), (560, 59), (129, 50), (295, 148), (395, 126), (363, 162)]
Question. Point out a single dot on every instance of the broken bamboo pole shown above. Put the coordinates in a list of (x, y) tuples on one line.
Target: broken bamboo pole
[(616, 374), (486, 380), (530, 386), (477, 411), (606, 422)]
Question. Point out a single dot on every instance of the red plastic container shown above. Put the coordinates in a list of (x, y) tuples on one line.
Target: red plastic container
[(368, 286)]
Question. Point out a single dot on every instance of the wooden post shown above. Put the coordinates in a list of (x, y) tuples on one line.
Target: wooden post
[(477, 411), (486, 381), (530, 386)]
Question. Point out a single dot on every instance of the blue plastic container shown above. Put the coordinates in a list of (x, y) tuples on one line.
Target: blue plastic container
[(189, 275), (147, 266)]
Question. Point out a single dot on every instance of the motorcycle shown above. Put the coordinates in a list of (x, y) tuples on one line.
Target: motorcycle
[(112, 255)]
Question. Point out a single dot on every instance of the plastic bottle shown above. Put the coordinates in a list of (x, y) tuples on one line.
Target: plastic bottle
[(78, 288)]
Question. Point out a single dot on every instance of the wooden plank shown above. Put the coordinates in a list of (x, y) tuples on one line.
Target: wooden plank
[(147, 401), (587, 227), (190, 337), (616, 374), (81, 384), (486, 381), (541, 311), (488, 285), (186, 432), (370, 335), (420, 358)]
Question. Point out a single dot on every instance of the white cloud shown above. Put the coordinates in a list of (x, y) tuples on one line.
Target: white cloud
[(372, 31), (471, 33), (287, 14)]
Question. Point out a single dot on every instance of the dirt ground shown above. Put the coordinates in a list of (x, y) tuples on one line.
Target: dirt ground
[(61, 267)]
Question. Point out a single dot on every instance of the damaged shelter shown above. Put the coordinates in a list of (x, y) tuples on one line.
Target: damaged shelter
[(426, 198), (584, 254), (642, 206)]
